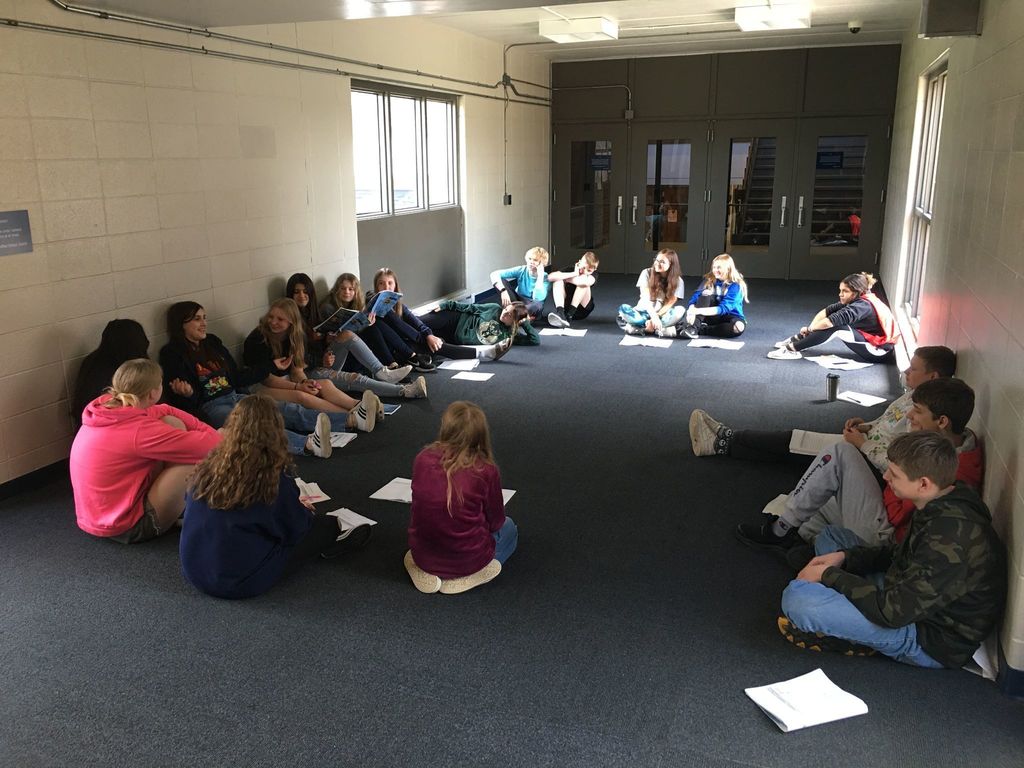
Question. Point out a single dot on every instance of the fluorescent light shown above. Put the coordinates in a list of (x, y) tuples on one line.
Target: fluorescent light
[(579, 30), (753, 18)]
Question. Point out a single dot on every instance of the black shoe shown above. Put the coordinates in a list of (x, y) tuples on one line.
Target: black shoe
[(799, 556), (557, 319), (354, 539), (816, 641), (763, 537), (422, 363), (689, 332)]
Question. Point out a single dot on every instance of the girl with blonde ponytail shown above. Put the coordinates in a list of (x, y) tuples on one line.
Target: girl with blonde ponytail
[(132, 457), (716, 308)]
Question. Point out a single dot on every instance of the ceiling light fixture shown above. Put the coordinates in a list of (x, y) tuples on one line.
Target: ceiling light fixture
[(756, 18), (579, 30)]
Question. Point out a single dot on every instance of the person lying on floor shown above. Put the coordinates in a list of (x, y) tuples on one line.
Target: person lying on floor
[(495, 327), (928, 601), (859, 319), (839, 498), (709, 437), (716, 308)]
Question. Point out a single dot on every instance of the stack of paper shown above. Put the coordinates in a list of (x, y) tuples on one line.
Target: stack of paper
[(472, 376), (811, 443), (310, 492), (810, 699), (459, 365), (347, 519)]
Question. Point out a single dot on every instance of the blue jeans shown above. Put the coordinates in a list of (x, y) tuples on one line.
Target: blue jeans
[(215, 413), (834, 538), (816, 608), (505, 540)]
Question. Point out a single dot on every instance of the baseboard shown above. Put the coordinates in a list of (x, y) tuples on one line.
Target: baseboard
[(56, 471), (1010, 680)]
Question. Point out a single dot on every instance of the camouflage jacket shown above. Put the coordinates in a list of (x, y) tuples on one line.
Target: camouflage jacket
[(948, 576)]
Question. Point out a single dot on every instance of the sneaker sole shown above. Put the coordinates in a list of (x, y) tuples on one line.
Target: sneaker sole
[(556, 322), (456, 586), (370, 403), (701, 433), (323, 434), (816, 641)]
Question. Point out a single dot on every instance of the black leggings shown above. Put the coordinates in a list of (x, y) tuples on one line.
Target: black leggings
[(720, 326), (851, 337), (321, 536), (444, 323)]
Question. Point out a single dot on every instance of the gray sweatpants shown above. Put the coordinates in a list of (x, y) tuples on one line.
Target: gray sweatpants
[(839, 488)]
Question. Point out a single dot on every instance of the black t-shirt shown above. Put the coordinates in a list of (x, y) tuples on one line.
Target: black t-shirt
[(258, 355)]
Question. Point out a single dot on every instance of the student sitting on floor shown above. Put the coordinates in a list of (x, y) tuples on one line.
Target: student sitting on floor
[(661, 288), (244, 523), (573, 286), (859, 319), (323, 351), (710, 438), (495, 327), (121, 340), (928, 601), (841, 489), (716, 308), (201, 377), (527, 283), (459, 536), (132, 457)]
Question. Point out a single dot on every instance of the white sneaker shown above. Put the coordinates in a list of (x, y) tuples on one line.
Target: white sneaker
[(784, 343), (366, 412), (425, 582), (319, 441), (703, 433), (393, 375), (666, 332), (415, 390), (784, 353), (633, 330)]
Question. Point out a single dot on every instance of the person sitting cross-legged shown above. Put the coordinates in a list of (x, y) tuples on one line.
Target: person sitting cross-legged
[(841, 490), (928, 601)]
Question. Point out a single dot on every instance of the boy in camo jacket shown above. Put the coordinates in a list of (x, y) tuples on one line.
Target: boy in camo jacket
[(928, 601)]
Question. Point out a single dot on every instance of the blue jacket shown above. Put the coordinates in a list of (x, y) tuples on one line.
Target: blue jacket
[(241, 552), (728, 298)]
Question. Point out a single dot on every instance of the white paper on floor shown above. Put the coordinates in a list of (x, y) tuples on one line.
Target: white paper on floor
[(341, 439), (836, 363), (310, 492), (716, 344), (645, 341), (390, 408), (472, 376), (859, 398), (347, 519), (562, 331), (459, 365), (400, 489), (810, 699)]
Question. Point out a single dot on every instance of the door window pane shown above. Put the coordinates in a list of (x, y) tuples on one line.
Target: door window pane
[(838, 191), (367, 151), (667, 195), (591, 208), (748, 226), (405, 152)]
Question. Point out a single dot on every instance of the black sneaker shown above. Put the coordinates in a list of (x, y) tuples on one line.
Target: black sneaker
[(422, 363), (816, 641), (353, 539), (690, 332), (763, 537), (557, 319), (799, 556)]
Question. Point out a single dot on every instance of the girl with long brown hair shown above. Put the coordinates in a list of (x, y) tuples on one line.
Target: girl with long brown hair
[(459, 536), (275, 351), (244, 521), (131, 458), (661, 287)]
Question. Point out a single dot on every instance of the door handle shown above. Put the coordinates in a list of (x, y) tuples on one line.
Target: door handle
[(800, 211), (634, 210), (618, 212), (782, 216)]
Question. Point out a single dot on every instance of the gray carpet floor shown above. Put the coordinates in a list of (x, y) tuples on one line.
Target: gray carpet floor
[(622, 632)]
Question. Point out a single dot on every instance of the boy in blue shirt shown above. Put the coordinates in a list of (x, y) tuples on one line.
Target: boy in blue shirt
[(527, 283)]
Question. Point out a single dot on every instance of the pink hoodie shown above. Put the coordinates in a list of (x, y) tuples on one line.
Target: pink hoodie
[(114, 456)]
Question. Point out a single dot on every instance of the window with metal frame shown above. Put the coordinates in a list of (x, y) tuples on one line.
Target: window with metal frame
[(404, 145), (921, 216)]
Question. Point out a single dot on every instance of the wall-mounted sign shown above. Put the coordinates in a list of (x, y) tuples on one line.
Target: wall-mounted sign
[(600, 162), (830, 161), (15, 233)]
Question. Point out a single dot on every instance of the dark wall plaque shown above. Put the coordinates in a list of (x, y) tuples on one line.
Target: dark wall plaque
[(15, 233)]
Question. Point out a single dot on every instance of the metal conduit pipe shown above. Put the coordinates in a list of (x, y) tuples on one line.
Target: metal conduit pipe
[(203, 32)]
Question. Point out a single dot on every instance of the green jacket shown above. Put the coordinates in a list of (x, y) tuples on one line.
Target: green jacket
[(948, 576), (479, 324)]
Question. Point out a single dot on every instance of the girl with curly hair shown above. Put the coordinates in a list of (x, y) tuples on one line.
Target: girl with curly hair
[(244, 521), (459, 536)]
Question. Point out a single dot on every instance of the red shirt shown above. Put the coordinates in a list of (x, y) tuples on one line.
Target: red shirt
[(459, 542)]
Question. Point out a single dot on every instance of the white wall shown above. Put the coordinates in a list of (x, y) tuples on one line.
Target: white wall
[(974, 288), (151, 176)]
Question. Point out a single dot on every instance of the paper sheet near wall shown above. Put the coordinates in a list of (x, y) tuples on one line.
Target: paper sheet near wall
[(859, 398), (400, 489), (810, 699), (836, 363)]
